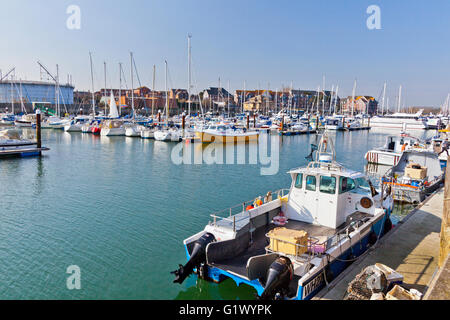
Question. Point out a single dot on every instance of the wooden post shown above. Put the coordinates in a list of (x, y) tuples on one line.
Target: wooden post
[(254, 120), (282, 124), (248, 122), (183, 122), (368, 122), (38, 130), (159, 117), (445, 225)]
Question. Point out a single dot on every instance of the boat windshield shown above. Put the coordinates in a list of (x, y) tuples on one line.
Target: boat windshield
[(363, 184)]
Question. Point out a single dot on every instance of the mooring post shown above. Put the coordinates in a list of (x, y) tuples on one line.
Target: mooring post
[(38, 130), (254, 120), (248, 122)]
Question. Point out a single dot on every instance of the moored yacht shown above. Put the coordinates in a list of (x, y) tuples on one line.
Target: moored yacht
[(290, 246), (399, 120)]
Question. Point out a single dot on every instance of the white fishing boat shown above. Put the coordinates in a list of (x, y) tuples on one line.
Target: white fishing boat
[(416, 175), (392, 150), (293, 243)]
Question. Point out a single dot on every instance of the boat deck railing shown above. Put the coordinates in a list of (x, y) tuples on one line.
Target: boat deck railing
[(234, 216)]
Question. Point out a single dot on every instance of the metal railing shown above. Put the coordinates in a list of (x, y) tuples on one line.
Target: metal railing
[(231, 214)]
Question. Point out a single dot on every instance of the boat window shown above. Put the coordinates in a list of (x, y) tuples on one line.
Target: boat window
[(363, 184), (327, 184), (299, 181), (346, 184), (311, 183)]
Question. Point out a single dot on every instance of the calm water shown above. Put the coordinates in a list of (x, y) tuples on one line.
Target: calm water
[(119, 209)]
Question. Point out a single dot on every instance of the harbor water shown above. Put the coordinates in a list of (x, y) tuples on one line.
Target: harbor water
[(120, 208)]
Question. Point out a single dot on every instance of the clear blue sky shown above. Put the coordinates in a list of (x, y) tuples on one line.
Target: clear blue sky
[(259, 41)]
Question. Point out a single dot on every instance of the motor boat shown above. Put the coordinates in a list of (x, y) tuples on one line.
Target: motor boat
[(293, 242)]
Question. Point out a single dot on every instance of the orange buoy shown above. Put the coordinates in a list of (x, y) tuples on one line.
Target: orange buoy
[(250, 207)]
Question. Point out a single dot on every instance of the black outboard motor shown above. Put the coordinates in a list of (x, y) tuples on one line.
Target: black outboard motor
[(278, 278), (198, 256)]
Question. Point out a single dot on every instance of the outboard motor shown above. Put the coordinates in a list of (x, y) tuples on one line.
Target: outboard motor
[(279, 276), (198, 256)]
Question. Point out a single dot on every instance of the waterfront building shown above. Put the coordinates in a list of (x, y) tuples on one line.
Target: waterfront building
[(27, 94), (362, 104)]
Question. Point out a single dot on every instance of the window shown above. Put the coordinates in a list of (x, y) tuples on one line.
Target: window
[(311, 183), (363, 184), (299, 181), (327, 184), (346, 184)]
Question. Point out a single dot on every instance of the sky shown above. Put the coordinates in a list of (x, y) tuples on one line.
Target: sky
[(267, 44)]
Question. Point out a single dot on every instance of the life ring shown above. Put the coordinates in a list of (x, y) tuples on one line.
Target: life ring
[(250, 207)]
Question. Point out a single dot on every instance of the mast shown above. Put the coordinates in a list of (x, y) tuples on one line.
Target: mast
[(105, 94), (243, 98), (167, 95), (12, 94), (189, 74), (335, 98), (57, 91), (132, 86), (120, 89), (384, 97), (92, 82), (353, 97), (153, 90), (399, 98), (323, 95)]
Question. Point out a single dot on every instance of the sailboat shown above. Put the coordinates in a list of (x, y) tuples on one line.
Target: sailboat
[(166, 134), (113, 126)]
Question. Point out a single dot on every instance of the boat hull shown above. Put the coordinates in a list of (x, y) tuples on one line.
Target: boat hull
[(209, 137)]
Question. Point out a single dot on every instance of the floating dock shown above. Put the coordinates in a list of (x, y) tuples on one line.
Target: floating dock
[(411, 248), (22, 152)]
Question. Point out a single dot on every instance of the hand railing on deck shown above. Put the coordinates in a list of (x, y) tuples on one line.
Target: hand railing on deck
[(231, 213)]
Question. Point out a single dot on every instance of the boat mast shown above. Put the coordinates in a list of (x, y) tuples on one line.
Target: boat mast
[(167, 95), (120, 89), (153, 90), (323, 95), (189, 74), (132, 86), (92, 82), (399, 98), (353, 97), (57, 91), (384, 97), (12, 94), (105, 94), (243, 98), (335, 98)]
